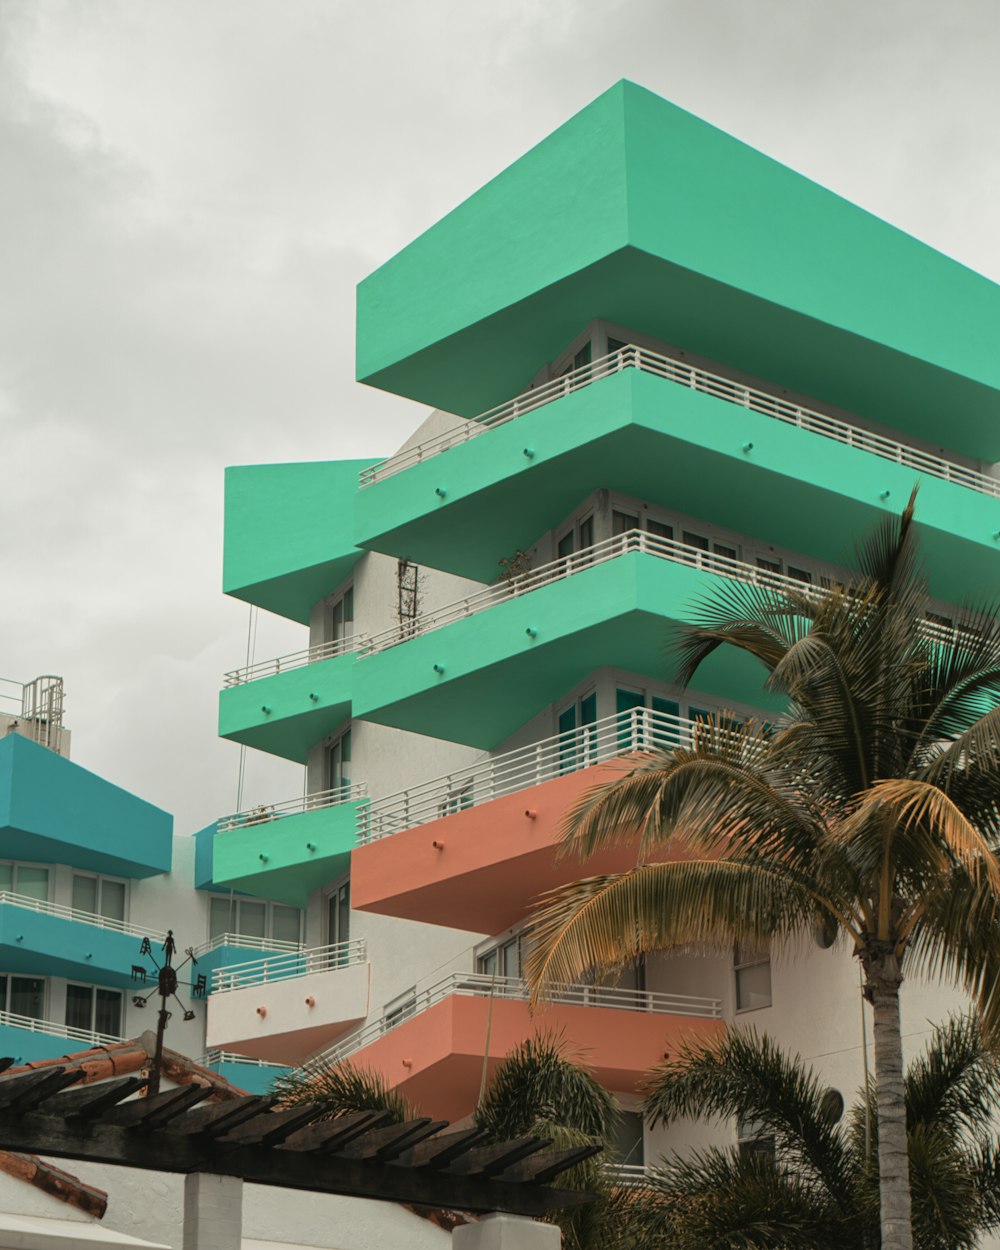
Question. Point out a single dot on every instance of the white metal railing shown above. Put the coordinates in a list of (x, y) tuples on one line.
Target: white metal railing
[(490, 778), (264, 813), (286, 966), (297, 659), (70, 913), (483, 985), (10, 1019), (694, 378), (211, 1057), (247, 942), (634, 540), (628, 1173)]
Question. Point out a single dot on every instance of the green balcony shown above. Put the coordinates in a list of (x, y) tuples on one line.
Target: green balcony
[(496, 661), (289, 537), (809, 487), (639, 213), (287, 851), (293, 707)]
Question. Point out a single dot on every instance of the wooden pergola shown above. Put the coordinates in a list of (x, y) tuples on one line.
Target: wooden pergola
[(52, 1111)]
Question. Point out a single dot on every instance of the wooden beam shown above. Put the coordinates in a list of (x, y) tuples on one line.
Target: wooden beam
[(154, 1112), (331, 1134), (388, 1142), (88, 1101), (442, 1149)]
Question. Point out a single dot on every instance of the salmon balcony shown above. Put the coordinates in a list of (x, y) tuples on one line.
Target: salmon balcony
[(473, 849), (431, 1043)]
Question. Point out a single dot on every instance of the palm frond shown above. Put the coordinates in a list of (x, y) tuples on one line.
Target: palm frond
[(601, 923), (343, 1088)]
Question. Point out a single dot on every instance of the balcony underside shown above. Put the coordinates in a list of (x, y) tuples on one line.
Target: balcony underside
[(291, 1026), (652, 439), (53, 811), (436, 1057), (288, 713), (286, 859), (288, 533), (639, 213), (496, 677), (490, 861)]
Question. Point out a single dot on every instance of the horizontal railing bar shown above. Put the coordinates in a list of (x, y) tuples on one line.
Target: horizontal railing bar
[(264, 813), (11, 1019), (227, 1056), (296, 659), (70, 913), (493, 777), (474, 984), (248, 943), (695, 378), (287, 966)]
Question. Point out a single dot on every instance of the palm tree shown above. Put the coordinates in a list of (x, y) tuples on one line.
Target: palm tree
[(816, 1186), (870, 808), (537, 1091)]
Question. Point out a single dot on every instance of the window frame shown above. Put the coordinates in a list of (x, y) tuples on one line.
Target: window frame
[(752, 959), (9, 978), (236, 901), (100, 879), (93, 991), (16, 864)]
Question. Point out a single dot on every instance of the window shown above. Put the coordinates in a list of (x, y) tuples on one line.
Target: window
[(659, 729), (338, 764), (502, 960), (622, 521), (615, 345), (800, 575), (692, 539), (660, 528), (586, 532), (251, 918), (576, 748), (338, 914), (628, 1149), (721, 549), (23, 996), (91, 1008), (400, 1009), (770, 566), (755, 1139), (342, 616), (99, 896), (753, 978), (28, 880)]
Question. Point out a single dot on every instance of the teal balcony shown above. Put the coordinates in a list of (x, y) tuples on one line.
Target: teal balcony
[(655, 428), (43, 939), (253, 1076), (55, 812), (289, 537), (227, 950), (285, 706), (481, 668), (287, 850), (640, 213), (26, 1040)]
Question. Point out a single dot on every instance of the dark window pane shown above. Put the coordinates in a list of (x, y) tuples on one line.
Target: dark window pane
[(622, 521), (85, 894), (660, 528), (108, 1012), (27, 996), (696, 540), (79, 999)]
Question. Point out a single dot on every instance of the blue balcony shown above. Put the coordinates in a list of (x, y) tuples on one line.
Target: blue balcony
[(26, 1040), (53, 811), (45, 940), (254, 1076)]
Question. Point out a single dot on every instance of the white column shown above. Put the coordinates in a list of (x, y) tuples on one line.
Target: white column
[(506, 1232), (213, 1212)]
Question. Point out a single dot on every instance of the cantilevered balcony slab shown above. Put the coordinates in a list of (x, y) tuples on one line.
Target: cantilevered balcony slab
[(286, 852), (26, 1039), (55, 812), (289, 533), (434, 1052), (638, 212), (650, 429), (282, 1009), (479, 678), (288, 711), (475, 849), (44, 939), (253, 1076)]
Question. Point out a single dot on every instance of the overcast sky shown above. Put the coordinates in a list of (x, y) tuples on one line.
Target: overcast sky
[(190, 191)]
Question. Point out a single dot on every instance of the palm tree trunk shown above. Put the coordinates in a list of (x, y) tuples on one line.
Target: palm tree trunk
[(883, 982)]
